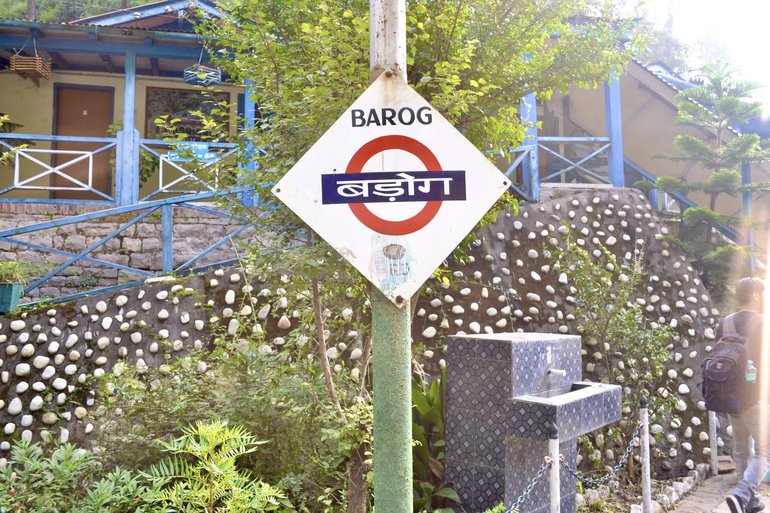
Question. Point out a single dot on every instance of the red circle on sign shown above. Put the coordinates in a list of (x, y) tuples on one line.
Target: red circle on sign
[(394, 142)]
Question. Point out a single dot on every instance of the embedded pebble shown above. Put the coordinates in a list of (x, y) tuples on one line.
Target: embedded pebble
[(40, 362)]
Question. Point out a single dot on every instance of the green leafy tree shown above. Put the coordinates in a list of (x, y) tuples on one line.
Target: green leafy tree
[(721, 102)]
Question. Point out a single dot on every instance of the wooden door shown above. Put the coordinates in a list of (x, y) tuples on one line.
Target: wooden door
[(85, 112)]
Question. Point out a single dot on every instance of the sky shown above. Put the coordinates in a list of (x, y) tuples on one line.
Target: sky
[(742, 26)]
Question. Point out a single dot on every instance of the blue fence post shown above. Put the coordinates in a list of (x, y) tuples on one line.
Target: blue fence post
[(748, 210), (127, 163), (614, 119), (167, 237), (530, 164), (250, 115)]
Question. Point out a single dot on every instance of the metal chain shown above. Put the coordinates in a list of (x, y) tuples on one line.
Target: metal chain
[(615, 469), (518, 502)]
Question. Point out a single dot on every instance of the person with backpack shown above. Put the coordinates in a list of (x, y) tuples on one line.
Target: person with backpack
[(732, 379)]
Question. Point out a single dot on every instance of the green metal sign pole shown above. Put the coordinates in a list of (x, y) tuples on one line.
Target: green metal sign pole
[(391, 368), (391, 348)]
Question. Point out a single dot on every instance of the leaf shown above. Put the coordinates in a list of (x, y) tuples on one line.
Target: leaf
[(436, 468), (449, 493)]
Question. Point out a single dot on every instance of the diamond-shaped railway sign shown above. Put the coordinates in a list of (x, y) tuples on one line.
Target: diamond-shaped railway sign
[(393, 187)]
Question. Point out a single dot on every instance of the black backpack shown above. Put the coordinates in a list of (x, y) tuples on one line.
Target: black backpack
[(724, 372)]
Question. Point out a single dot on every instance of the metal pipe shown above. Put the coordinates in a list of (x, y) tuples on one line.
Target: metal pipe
[(713, 443), (554, 478), (645, 455)]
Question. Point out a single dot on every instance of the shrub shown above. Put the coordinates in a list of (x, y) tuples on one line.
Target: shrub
[(201, 476)]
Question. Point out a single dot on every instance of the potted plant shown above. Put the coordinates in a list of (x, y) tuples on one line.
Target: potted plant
[(13, 277)]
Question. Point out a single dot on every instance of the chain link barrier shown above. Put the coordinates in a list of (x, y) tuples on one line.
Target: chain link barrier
[(518, 502), (585, 480), (615, 469)]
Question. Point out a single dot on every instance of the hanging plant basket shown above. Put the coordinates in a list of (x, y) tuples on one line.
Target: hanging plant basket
[(31, 67), (198, 74)]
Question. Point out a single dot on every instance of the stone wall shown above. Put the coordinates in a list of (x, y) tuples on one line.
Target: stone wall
[(47, 357), (139, 246)]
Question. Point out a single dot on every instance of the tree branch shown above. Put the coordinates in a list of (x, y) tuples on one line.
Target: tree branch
[(319, 326)]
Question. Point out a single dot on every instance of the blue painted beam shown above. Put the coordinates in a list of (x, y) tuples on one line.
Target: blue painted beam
[(86, 251), (614, 119), (127, 168), (53, 201), (95, 33), (531, 164), (58, 138), (89, 293), (681, 200), (69, 254), (211, 248), (185, 53), (169, 144), (748, 206), (250, 115), (562, 140), (167, 237), (116, 211), (214, 212)]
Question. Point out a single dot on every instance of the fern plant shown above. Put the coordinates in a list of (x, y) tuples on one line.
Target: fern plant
[(202, 474)]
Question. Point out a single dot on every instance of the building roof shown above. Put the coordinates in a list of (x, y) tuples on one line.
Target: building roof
[(169, 15), (96, 48)]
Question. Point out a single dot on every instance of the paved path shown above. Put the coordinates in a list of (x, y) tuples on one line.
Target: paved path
[(709, 496)]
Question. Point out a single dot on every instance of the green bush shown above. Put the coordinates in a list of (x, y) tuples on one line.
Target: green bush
[(201, 475), (279, 398), (62, 480)]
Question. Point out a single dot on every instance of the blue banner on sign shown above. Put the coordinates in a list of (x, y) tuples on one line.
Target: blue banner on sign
[(391, 187)]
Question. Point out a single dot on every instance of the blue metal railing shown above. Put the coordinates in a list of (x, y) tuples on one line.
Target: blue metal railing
[(525, 182), (575, 168), (48, 169), (683, 202), (187, 162), (139, 212)]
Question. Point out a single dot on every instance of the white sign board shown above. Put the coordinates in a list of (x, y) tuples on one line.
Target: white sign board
[(393, 187)]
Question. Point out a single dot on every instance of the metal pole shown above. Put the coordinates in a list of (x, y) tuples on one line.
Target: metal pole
[(713, 443), (645, 450), (614, 120), (391, 333), (554, 478), (747, 202), (391, 368), (387, 37)]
